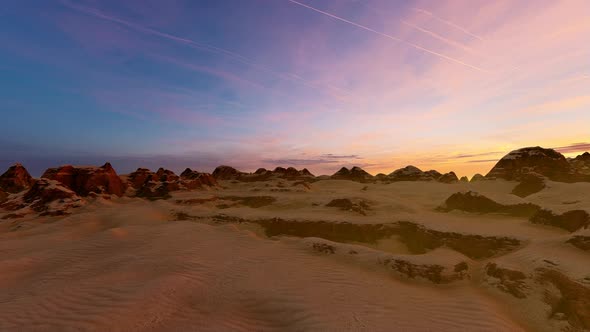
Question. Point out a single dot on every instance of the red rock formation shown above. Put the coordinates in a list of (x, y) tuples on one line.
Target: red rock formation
[(49, 197), (16, 179), (166, 175), (193, 179), (85, 180), (3, 196), (159, 184), (138, 178), (46, 191)]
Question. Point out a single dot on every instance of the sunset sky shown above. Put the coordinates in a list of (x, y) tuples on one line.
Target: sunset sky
[(449, 85)]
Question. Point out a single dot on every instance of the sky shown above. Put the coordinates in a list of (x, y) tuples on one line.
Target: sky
[(321, 84)]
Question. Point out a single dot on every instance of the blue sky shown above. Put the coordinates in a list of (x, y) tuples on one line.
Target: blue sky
[(265, 83)]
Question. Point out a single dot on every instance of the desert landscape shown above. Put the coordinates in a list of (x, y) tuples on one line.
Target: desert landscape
[(82, 248), (294, 165)]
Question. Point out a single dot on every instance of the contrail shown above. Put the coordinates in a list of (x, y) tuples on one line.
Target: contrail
[(441, 38), (416, 46), (430, 33), (449, 23), (205, 47)]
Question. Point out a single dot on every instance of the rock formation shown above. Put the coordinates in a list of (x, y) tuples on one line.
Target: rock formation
[(3, 196), (353, 174), (16, 179), (546, 162), (581, 163), (410, 173), (449, 177), (530, 183), (477, 177), (475, 203), (89, 179), (159, 184), (48, 197), (226, 173)]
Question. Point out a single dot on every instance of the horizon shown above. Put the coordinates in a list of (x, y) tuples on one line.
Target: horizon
[(37, 172), (377, 84)]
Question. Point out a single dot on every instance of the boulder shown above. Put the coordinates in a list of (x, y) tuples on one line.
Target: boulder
[(86, 180), (16, 179)]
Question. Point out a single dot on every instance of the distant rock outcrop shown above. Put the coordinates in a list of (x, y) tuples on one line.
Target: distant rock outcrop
[(475, 203), (449, 177), (353, 174), (193, 179), (464, 179), (262, 174), (290, 173), (224, 172), (546, 162), (477, 177), (411, 173), (581, 163), (16, 179), (530, 183), (88, 179), (571, 220), (160, 184)]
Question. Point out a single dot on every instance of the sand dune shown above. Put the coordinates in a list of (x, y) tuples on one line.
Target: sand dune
[(129, 264)]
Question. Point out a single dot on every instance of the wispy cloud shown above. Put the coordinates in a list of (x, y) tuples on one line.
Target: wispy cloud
[(462, 156), (482, 161), (299, 162), (574, 147), (334, 156)]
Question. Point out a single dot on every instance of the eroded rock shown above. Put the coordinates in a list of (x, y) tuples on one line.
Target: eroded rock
[(571, 220), (86, 180), (15, 179)]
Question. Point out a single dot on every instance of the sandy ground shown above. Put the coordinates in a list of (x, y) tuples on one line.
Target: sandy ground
[(132, 265)]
